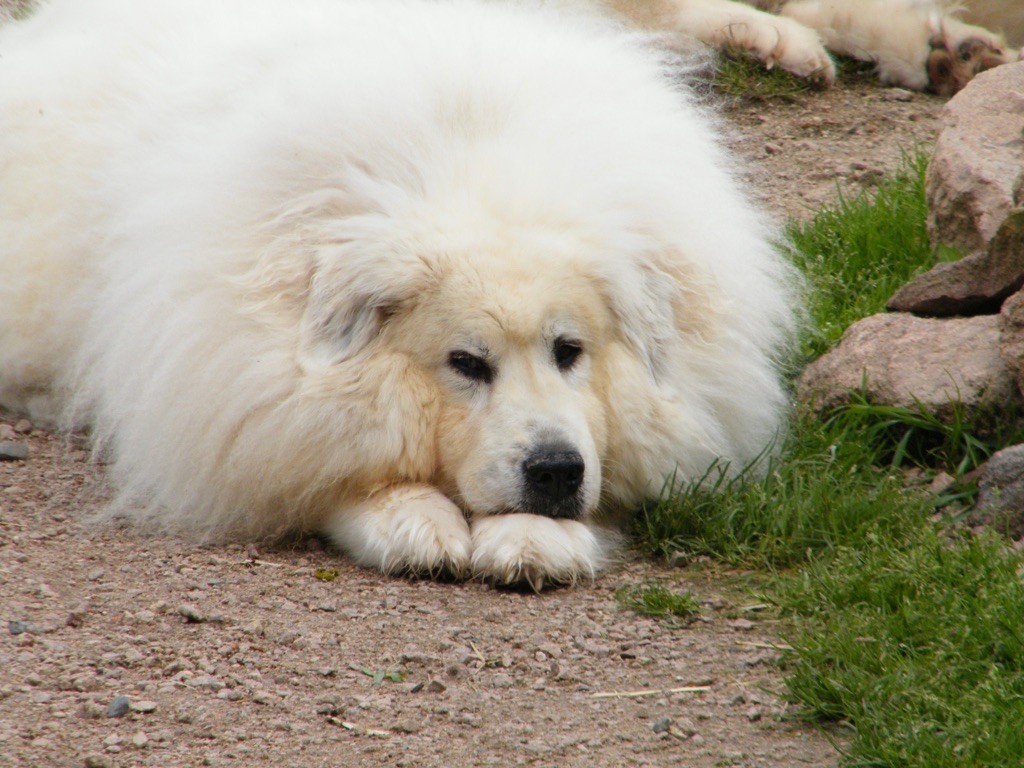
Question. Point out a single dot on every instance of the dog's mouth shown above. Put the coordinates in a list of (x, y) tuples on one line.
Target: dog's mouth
[(573, 510)]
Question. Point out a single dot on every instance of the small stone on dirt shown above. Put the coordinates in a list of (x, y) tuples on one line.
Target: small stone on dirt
[(119, 707), (662, 726), (742, 625), (13, 451), (193, 615), (143, 706), (897, 94), (18, 627)]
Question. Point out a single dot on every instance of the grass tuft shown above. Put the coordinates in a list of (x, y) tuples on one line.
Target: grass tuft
[(744, 78), (858, 252), (651, 599), (958, 443)]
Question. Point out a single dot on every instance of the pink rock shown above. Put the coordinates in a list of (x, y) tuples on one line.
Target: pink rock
[(975, 175), (976, 284), (901, 359), (1011, 342)]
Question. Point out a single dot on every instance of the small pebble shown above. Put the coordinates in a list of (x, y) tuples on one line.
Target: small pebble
[(119, 707), (23, 427), (143, 706), (407, 726), (231, 694), (18, 627), (76, 617), (436, 686), (193, 616), (743, 625), (97, 761), (502, 680), (91, 710), (754, 714), (13, 451), (897, 94), (139, 740), (679, 559), (662, 726)]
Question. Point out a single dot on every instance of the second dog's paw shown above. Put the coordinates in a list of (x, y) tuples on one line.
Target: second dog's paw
[(407, 529), (801, 52), (520, 548), (788, 44)]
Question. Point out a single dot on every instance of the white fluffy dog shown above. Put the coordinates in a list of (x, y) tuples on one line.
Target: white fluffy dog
[(444, 281)]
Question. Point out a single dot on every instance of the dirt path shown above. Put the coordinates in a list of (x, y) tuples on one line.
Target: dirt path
[(227, 660)]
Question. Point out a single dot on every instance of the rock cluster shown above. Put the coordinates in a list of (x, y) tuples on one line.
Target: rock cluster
[(956, 334)]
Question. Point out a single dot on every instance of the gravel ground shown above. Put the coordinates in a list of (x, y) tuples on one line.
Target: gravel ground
[(233, 655)]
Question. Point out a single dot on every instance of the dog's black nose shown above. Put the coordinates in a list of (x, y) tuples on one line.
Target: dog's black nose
[(553, 476)]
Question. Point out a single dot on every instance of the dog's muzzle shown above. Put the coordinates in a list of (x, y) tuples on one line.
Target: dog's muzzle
[(552, 479)]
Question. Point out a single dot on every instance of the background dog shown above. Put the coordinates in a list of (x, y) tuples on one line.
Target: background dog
[(918, 44), (445, 281)]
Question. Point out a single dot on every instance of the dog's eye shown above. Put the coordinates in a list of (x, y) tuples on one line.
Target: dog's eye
[(471, 366), (566, 353)]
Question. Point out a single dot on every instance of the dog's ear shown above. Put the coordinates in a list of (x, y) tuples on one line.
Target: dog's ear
[(354, 289), (342, 265)]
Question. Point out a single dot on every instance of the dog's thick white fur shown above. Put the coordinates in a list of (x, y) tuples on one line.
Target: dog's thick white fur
[(445, 281)]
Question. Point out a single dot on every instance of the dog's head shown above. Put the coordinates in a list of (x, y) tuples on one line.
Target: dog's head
[(544, 362), (510, 342)]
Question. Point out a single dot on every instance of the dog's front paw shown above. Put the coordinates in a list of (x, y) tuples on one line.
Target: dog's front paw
[(779, 41), (405, 529), (515, 548)]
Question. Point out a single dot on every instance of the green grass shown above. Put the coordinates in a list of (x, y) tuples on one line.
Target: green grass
[(909, 630), (958, 443), (823, 492), (919, 643), (743, 78), (651, 599), (857, 253)]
